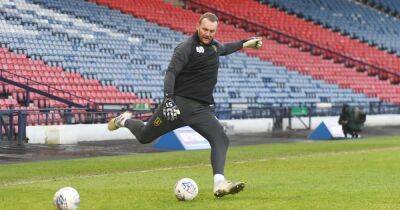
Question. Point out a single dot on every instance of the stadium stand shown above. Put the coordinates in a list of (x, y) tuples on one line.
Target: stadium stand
[(100, 55), (168, 15), (55, 76), (27, 28), (41, 76), (389, 7), (385, 5), (307, 31), (234, 82), (350, 18), (107, 56)]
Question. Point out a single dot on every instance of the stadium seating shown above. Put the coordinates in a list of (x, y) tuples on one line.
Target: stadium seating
[(226, 94), (57, 42), (349, 17), (305, 30), (26, 29), (94, 52), (387, 5), (71, 82), (280, 55)]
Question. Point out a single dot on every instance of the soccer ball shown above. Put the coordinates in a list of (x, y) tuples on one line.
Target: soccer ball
[(66, 198), (186, 189)]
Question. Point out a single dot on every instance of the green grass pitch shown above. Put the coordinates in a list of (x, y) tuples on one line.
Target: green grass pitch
[(356, 174)]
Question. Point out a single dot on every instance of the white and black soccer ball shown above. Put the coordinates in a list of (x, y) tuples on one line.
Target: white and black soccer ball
[(66, 198), (186, 189)]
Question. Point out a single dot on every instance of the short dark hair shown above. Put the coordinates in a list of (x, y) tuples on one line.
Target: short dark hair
[(210, 16)]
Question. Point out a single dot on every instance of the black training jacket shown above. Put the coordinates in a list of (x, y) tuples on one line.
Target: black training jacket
[(193, 70)]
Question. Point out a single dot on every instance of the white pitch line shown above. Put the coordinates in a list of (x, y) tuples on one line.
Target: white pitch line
[(200, 165)]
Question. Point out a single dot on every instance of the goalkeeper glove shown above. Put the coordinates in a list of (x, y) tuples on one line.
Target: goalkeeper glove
[(170, 110), (255, 43)]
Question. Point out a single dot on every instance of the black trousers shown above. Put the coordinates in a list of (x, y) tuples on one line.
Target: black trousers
[(195, 114)]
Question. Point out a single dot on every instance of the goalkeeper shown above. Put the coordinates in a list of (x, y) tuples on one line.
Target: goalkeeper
[(188, 86)]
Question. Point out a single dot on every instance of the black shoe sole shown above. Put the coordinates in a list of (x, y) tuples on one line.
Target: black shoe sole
[(234, 190)]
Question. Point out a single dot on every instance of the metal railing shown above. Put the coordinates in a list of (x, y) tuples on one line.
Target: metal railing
[(13, 125), (13, 122), (312, 110), (50, 92)]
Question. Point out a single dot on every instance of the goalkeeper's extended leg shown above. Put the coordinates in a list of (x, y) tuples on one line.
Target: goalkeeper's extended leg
[(155, 127)]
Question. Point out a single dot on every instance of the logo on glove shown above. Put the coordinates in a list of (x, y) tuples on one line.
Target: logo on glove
[(170, 110)]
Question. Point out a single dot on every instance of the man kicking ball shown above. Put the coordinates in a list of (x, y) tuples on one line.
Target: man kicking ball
[(188, 86)]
